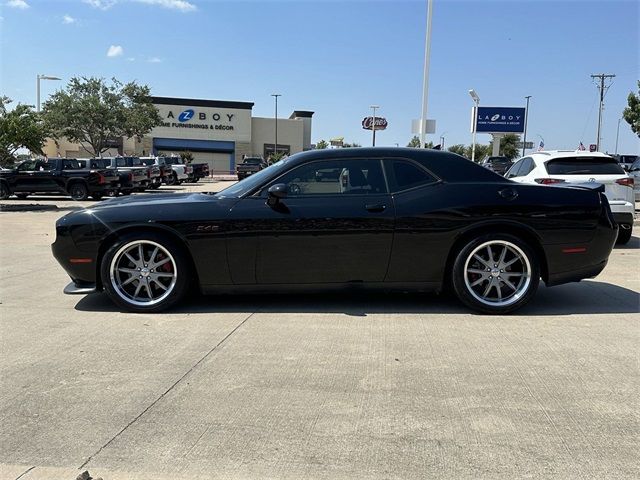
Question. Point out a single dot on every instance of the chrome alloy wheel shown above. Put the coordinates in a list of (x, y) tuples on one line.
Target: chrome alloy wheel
[(143, 273), (497, 273)]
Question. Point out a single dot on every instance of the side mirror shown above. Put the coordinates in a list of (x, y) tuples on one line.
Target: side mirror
[(276, 192)]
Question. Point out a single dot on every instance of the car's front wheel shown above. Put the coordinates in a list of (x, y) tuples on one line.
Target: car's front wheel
[(4, 191), (496, 273), (145, 272)]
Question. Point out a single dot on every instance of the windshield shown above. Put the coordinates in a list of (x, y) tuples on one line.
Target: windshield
[(635, 166), (250, 183), (174, 161)]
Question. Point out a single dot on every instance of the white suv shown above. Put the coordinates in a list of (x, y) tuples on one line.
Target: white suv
[(564, 166)]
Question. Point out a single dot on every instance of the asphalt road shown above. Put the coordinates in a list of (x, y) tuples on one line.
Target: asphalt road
[(324, 386)]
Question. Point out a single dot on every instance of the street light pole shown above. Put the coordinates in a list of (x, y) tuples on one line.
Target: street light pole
[(526, 119), (476, 100), (617, 135), (42, 77), (425, 80), (373, 125), (275, 146)]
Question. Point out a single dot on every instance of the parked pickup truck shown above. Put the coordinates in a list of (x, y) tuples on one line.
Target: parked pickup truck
[(140, 178), (125, 177), (57, 175), (249, 166), (165, 169), (180, 171), (200, 170), (153, 171)]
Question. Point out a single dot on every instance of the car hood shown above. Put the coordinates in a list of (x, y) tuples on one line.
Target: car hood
[(153, 200)]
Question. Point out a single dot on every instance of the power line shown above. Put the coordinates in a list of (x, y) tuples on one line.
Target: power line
[(602, 77)]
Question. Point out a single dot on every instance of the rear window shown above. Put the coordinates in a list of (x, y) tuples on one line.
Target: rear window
[(584, 166)]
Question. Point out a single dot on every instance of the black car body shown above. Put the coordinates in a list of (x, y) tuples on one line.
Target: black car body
[(57, 175), (249, 166), (500, 165), (392, 218), (126, 183), (139, 175), (200, 170)]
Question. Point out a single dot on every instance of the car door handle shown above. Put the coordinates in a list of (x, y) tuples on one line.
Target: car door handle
[(508, 193), (375, 208)]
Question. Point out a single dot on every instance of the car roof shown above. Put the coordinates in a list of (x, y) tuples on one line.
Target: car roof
[(549, 154)]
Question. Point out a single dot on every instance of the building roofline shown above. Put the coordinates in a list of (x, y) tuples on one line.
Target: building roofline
[(301, 114), (196, 102)]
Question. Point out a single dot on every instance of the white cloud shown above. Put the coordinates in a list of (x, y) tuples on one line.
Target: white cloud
[(181, 5), (101, 4), (115, 51), (131, 59), (154, 60), (21, 4), (68, 19)]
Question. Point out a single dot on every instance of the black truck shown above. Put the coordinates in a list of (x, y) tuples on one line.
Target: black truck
[(140, 174), (125, 177), (57, 175), (250, 165)]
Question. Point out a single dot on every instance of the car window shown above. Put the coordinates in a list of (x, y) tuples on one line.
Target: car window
[(584, 166), (335, 177), (44, 166), (514, 171), (68, 164), (635, 167), (404, 175), (527, 167), (121, 162), (27, 166)]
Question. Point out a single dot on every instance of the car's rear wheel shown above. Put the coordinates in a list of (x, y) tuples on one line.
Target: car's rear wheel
[(172, 179), (624, 234), (145, 272), (496, 273), (79, 191), (4, 191)]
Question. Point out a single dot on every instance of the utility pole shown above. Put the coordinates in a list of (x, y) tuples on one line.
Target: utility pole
[(425, 79), (602, 77), (526, 120), (275, 146), (373, 125)]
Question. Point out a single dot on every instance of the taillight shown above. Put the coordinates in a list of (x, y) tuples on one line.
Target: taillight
[(130, 176), (548, 181), (148, 173), (101, 178), (626, 182)]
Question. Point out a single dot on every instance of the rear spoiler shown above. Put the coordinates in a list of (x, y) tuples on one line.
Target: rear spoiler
[(593, 186)]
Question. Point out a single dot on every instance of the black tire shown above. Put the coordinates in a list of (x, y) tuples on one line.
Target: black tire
[(22, 196), (4, 191), (179, 266), (172, 179), (78, 191), (155, 186), (624, 235), (472, 272)]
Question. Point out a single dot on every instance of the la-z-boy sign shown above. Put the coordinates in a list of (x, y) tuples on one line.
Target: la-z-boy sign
[(201, 119), (499, 119)]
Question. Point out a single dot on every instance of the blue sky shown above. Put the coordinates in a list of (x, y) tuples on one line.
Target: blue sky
[(337, 58)]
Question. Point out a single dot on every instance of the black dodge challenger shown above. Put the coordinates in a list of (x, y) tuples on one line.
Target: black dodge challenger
[(378, 218)]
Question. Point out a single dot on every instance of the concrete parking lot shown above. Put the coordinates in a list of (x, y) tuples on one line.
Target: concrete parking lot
[(393, 386)]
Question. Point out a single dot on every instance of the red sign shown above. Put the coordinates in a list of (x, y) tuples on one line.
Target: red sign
[(592, 147), (381, 123)]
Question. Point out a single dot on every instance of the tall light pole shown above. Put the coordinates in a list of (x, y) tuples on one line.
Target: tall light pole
[(373, 125), (526, 119), (275, 145), (617, 135), (442, 140), (425, 80), (476, 100), (42, 77)]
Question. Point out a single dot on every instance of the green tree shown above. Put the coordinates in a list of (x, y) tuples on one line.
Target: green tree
[(19, 128), (322, 144), (91, 112), (186, 156), (508, 146), (459, 149), (482, 151), (631, 114), (414, 142)]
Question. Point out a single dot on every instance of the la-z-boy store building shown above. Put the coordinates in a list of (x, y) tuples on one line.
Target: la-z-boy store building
[(217, 132)]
